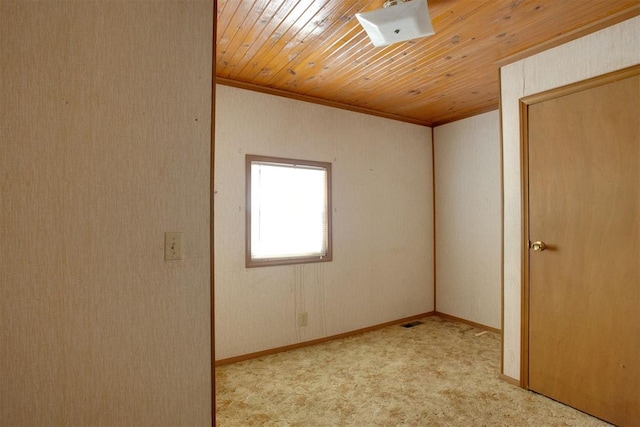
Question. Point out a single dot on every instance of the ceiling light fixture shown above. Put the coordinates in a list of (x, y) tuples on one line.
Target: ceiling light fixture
[(397, 21)]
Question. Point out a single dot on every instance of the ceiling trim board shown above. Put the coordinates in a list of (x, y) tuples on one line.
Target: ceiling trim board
[(598, 25), (466, 116), (278, 92)]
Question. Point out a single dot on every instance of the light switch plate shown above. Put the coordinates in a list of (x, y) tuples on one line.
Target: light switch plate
[(172, 245), (303, 319)]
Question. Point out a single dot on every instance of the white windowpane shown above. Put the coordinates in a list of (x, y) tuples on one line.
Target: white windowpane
[(288, 208), (288, 211)]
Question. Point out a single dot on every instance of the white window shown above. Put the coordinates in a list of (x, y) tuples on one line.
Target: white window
[(288, 211)]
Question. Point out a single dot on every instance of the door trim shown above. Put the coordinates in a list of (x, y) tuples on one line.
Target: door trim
[(212, 182), (524, 179)]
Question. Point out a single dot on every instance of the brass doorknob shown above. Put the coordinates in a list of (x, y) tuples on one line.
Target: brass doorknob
[(538, 246)]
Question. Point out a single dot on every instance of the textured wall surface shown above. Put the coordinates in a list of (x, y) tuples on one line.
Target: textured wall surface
[(382, 267), (105, 145), (468, 222), (605, 51)]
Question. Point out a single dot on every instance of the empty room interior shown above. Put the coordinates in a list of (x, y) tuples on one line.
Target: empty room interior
[(484, 173)]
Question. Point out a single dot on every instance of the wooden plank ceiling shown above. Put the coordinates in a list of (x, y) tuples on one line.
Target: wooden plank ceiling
[(317, 50)]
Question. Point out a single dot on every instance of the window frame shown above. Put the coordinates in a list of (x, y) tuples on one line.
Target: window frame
[(249, 261)]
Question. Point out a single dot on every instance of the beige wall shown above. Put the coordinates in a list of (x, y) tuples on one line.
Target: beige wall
[(467, 178), (105, 145), (607, 50), (382, 267)]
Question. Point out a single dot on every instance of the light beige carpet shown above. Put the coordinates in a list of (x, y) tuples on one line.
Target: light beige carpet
[(440, 373)]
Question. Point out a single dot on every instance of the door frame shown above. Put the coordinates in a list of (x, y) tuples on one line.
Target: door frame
[(524, 163)]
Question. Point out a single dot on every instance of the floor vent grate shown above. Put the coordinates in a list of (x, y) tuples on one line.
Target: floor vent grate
[(412, 324)]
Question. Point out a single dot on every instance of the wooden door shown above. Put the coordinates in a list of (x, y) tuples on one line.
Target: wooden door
[(584, 287)]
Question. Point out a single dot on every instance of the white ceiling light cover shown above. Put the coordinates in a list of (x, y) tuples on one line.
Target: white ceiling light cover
[(393, 24)]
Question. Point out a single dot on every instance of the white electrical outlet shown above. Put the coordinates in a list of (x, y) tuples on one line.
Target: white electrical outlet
[(172, 245), (303, 319)]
